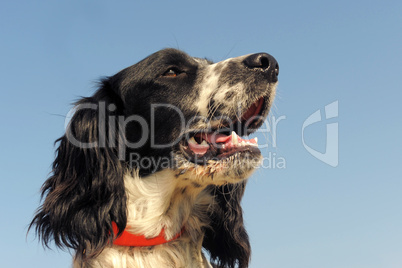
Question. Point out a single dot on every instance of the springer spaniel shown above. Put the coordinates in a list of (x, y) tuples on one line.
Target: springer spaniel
[(152, 167)]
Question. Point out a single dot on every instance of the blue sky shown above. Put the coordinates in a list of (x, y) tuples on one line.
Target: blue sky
[(302, 213)]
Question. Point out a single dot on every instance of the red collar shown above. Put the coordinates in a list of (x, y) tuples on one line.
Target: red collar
[(131, 240)]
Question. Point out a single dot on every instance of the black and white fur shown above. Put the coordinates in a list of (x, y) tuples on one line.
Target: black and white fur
[(96, 182)]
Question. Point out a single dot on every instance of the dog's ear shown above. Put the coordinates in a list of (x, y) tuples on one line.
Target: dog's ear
[(85, 192), (227, 239)]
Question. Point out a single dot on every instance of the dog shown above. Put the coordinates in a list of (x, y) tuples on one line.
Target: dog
[(153, 166)]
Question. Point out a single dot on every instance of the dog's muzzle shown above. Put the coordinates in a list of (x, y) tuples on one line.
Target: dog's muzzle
[(256, 75)]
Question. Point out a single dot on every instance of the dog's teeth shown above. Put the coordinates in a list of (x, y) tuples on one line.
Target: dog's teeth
[(253, 142), (204, 142), (235, 141), (242, 143), (192, 141)]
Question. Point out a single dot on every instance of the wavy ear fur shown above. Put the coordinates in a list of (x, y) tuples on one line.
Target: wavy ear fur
[(227, 239), (85, 192)]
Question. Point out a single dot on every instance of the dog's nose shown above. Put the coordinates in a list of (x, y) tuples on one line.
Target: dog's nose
[(265, 62)]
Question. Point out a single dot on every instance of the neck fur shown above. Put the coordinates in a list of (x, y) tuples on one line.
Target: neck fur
[(162, 201)]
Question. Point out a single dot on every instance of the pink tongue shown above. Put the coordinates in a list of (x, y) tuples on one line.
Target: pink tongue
[(198, 149), (221, 138), (216, 138)]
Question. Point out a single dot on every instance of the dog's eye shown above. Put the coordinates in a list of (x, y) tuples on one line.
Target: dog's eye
[(172, 72)]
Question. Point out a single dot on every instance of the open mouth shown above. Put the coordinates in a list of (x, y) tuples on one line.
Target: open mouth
[(202, 146)]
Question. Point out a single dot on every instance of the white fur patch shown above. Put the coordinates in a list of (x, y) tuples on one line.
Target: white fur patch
[(161, 200), (208, 86)]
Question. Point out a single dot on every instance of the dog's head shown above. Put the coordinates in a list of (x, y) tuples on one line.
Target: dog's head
[(193, 112), (169, 111)]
